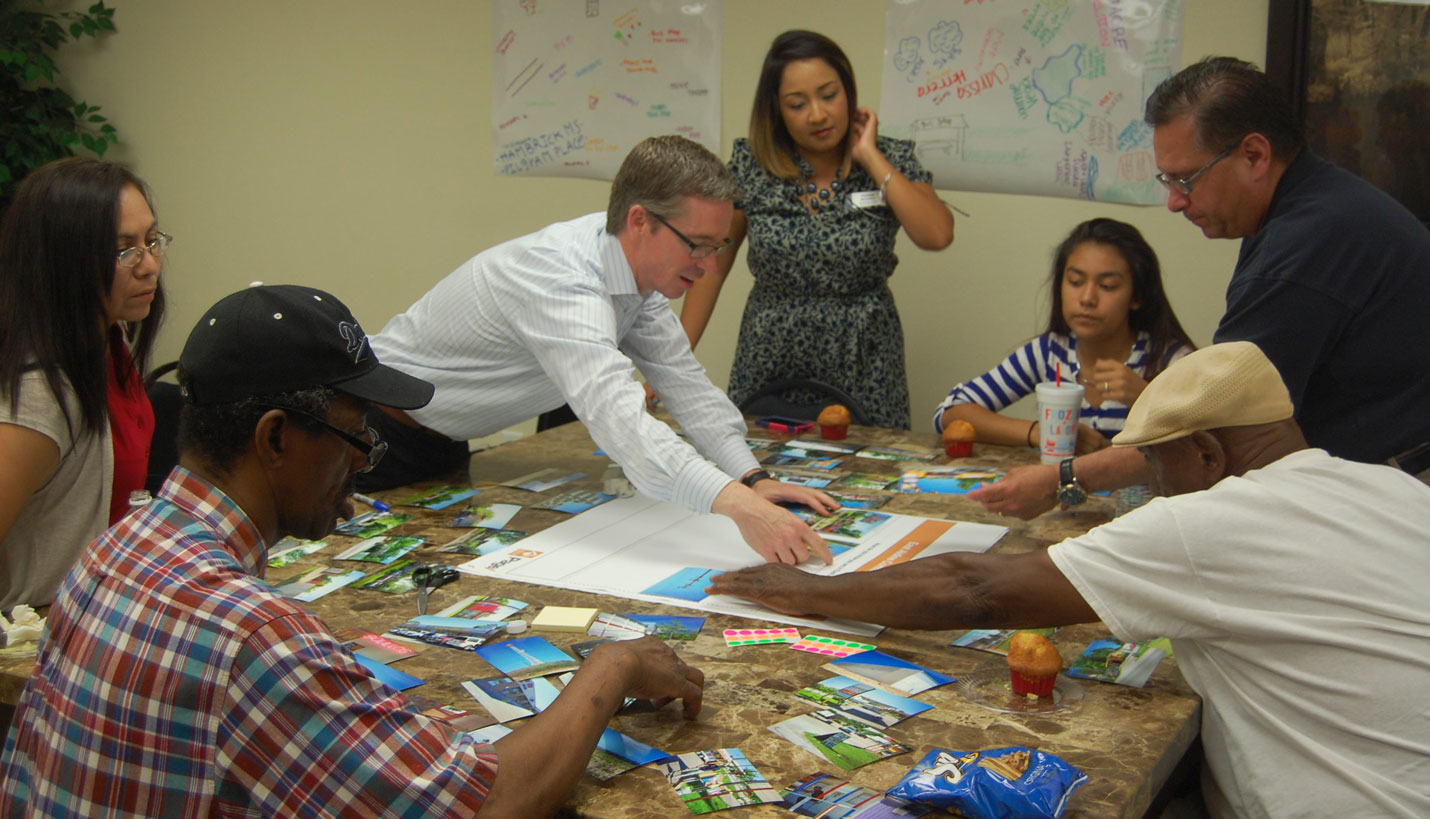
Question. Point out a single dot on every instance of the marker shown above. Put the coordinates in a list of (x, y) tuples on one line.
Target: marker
[(373, 502)]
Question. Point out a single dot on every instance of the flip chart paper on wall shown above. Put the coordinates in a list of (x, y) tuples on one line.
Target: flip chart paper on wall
[(577, 83), (1039, 97), (631, 544)]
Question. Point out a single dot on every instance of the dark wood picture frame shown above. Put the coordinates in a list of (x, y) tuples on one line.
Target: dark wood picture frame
[(1358, 74)]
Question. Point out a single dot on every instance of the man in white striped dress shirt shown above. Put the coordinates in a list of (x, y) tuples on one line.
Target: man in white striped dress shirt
[(566, 315)]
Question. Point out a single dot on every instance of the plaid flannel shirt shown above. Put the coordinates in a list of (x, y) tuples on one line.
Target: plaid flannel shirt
[(173, 681)]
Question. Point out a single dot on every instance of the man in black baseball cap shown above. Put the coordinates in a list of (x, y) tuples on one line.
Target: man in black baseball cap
[(222, 696)]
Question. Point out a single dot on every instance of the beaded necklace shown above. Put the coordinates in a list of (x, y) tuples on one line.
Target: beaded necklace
[(818, 197)]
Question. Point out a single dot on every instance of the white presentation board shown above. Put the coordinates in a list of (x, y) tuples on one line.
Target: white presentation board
[(577, 83), (1039, 97), (627, 546)]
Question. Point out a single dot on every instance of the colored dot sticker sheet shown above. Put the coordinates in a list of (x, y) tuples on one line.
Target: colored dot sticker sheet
[(830, 646), (760, 636)]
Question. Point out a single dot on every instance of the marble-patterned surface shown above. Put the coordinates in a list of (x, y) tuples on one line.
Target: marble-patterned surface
[(1127, 740)]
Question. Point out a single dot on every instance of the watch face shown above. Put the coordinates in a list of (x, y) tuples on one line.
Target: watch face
[(1072, 494)]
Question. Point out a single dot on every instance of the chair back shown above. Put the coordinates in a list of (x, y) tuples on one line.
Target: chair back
[(165, 398), (801, 398)]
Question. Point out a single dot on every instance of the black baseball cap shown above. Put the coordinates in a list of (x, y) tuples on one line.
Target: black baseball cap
[(271, 339)]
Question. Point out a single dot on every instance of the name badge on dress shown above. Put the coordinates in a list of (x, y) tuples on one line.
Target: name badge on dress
[(866, 199)]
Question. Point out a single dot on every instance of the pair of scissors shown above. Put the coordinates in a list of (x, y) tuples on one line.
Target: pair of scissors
[(430, 576)]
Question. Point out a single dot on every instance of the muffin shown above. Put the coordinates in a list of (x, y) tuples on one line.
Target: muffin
[(958, 438), (834, 422), (1033, 663)]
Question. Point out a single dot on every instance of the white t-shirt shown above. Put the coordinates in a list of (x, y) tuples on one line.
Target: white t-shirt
[(1297, 599)]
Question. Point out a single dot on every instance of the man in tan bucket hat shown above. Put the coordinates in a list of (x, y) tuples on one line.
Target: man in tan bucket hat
[(1291, 584)]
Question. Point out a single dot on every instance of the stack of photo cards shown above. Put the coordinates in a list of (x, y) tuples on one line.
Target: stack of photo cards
[(528, 657), (708, 781), (564, 618), (383, 549), (439, 497), (1122, 663), (507, 699), (543, 479), (574, 501), (371, 524), (863, 701), (994, 640), (840, 739), (450, 632), (315, 583), (482, 541), (483, 607), (364, 643), (829, 797), (287, 551), (494, 516), (888, 673)]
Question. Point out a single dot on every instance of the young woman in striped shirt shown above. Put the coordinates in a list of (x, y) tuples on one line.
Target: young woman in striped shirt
[(1110, 328)]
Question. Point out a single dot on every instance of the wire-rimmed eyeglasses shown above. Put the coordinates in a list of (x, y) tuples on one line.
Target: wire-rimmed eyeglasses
[(697, 251), (374, 449), (130, 256), (1184, 186)]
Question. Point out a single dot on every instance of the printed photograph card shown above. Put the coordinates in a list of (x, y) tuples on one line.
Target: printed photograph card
[(315, 583), (449, 632), (574, 501), (394, 579), (527, 657), (828, 797), (994, 640), (1122, 663), (617, 753), (287, 551), (483, 607), (888, 673), (389, 676), (857, 500), (687, 584), (439, 497), (371, 524), (862, 701), (670, 626), (839, 739), (494, 516), (364, 643), (867, 480), (794, 478), (482, 541), (955, 480), (543, 479), (382, 549), (507, 699), (888, 453), (709, 781), (616, 627)]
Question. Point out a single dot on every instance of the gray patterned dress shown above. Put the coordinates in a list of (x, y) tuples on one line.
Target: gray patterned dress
[(821, 306)]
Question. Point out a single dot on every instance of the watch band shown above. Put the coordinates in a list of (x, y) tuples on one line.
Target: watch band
[(1065, 473), (754, 477)]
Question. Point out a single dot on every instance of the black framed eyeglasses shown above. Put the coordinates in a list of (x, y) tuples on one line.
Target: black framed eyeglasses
[(1184, 186), (697, 251), (130, 256), (374, 449)]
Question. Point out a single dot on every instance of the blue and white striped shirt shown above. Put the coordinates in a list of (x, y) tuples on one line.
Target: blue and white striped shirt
[(1038, 361)]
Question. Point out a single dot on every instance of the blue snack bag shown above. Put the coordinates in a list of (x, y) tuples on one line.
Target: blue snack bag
[(999, 783)]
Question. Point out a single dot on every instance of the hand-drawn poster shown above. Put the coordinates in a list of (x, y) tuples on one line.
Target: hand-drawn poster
[(1031, 96), (576, 83)]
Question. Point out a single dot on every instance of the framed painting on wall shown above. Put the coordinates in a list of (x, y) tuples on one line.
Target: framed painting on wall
[(1358, 72)]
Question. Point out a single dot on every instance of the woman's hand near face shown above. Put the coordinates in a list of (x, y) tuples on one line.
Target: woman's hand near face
[(864, 132), (1116, 381)]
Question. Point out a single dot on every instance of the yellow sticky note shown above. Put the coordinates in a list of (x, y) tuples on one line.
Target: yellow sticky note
[(564, 618)]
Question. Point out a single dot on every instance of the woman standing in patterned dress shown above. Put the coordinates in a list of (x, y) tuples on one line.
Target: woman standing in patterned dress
[(824, 198)]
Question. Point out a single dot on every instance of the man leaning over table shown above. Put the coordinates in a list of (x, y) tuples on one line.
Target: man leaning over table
[(173, 681), (564, 316), (1332, 281), (1290, 582)]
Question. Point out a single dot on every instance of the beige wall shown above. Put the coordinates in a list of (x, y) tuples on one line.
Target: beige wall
[(347, 145)]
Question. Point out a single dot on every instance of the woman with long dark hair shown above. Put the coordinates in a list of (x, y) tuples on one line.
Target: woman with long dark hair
[(1110, 328), (80, 302), (824, 197)]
